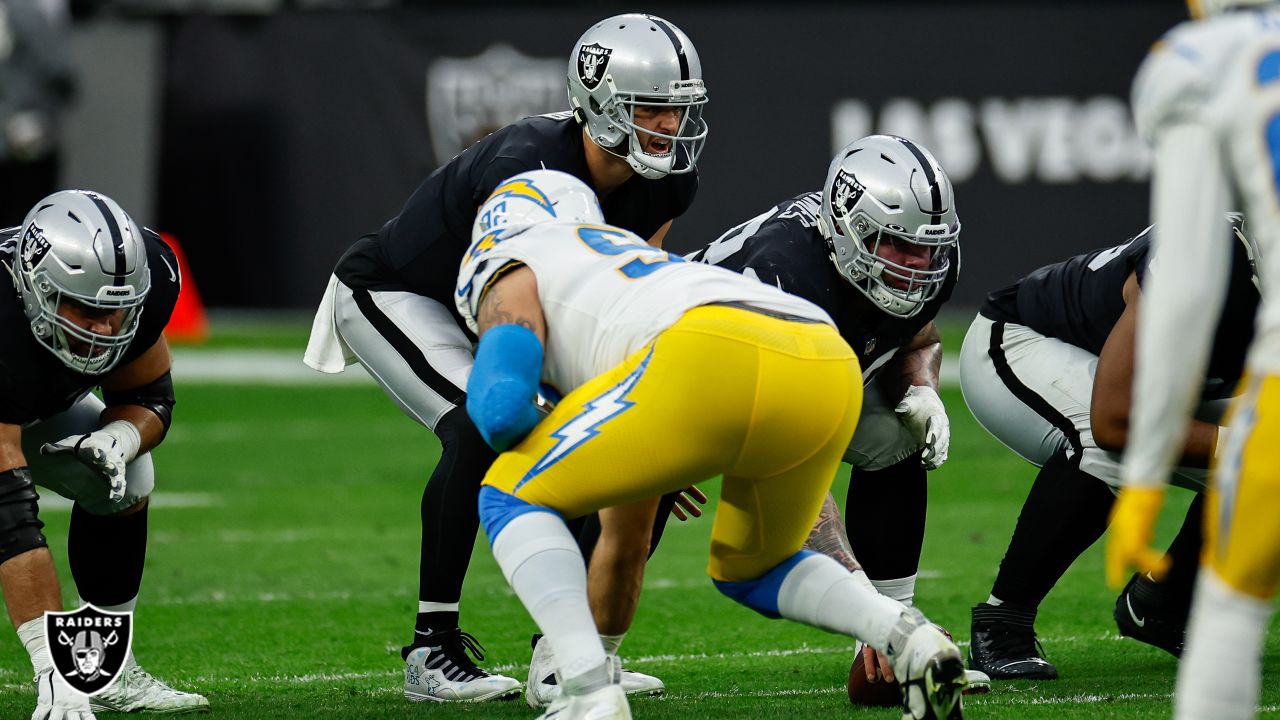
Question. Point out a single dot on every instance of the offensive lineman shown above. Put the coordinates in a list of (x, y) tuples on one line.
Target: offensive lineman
[(1047, 368), (640, 341), (1207, 98), (634, 135), (92, 294)]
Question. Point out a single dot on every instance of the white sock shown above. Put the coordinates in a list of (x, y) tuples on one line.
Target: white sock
[(544, 566), (994, 601), (425, 607), (126, 606), (819, 591), (901, 589), (31, 633), (612, 643), (1220, 675)]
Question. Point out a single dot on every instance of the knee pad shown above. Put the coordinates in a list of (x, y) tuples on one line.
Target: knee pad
[(761, 594), (498, 508), (19, 514)]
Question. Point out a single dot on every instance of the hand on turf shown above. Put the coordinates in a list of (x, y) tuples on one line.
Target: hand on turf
[(55, 700), (922, 411), (877, 665), (1133, 522), (100, 452), (686, 500)]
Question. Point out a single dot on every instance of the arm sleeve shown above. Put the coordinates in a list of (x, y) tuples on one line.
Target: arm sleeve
[(1182, 298)]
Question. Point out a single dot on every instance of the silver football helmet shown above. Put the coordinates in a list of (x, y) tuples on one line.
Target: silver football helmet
[(888, 214), (79, 254), (633, 59)]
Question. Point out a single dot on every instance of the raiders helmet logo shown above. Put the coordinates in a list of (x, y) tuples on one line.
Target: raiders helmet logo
[(88, 646), (846, 193), (34, 248), (593, 61)]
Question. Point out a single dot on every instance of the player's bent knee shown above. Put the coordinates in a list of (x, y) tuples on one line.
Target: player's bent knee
[(761, 594), (19, 514), (498, 509)]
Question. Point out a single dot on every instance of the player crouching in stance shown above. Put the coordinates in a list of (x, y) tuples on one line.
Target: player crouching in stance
[(92, 294), (640, 341)]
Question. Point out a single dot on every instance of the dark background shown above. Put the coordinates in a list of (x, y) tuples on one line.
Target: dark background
[(286, 135)]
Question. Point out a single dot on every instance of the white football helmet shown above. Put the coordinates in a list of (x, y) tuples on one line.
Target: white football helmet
[(629, 60), (535, 197), (1207, 8), (77, 246), (884, 193)]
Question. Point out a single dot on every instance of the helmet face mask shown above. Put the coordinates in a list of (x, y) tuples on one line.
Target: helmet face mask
[(81, 268), (639, 60), (889, 220)]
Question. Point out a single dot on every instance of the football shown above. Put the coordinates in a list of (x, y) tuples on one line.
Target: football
[(866, 692)]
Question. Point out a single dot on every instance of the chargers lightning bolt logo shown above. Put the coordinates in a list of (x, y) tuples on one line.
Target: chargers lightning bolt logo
[(585, 425), (524, 188)]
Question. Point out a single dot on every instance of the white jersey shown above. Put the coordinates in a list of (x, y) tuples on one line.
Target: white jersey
[(605, 293), (1208, 98)]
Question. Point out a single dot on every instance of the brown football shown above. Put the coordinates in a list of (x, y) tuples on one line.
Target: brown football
[(879, 693)]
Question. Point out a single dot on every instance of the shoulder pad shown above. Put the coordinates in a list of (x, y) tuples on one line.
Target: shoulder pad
[(1171, 84)]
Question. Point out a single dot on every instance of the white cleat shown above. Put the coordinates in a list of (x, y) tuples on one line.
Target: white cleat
[(137, 690), (607, 703), (930, 669), (976, 682), (445, 673), (543, 689)]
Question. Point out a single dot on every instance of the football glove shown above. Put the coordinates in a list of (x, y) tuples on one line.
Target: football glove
[(106, 452), (56, 700), (922, 411), (1133, 520)]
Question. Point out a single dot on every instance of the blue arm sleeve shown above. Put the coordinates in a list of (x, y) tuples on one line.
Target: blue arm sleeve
[(503, 385)]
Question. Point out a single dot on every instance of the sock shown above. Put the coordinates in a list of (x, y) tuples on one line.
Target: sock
[(544, 567), (1066, 511), (1220, 675), (106, 554), (1006, 614), (31, 633), (994, 601), (612, 643), (901, 589), (819, 591), (450, 518), (884, 514), (1177, 588)]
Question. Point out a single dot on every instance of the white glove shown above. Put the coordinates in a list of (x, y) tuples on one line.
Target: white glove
[(922, 411), (104, 451), (55, 700)]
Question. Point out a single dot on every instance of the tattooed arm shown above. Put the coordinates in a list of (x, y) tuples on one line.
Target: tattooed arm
[(829, 538), (512, 299)]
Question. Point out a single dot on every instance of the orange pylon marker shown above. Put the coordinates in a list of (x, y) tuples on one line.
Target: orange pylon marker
[(189, 324)]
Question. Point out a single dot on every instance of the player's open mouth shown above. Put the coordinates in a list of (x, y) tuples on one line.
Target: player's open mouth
[(659, 147)]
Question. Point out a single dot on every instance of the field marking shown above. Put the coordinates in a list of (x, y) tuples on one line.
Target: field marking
[(50, 502)]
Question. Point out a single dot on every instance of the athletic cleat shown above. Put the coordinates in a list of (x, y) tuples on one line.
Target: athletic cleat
[(1002, 644), (444, 672), (1143, 613), (929, 667), (543, 689), (976, 682), (137, 690), (607, 703)]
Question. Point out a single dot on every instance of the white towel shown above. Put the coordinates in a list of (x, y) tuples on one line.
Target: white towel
[(326, 351)]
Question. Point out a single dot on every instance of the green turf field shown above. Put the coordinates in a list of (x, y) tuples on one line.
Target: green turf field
[(282, 571)]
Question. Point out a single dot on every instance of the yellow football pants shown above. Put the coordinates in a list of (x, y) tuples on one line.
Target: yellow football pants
[(769, 403), (1242, 512)]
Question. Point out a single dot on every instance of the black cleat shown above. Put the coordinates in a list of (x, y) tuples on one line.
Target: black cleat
[(1144, 613), (1002, 644)]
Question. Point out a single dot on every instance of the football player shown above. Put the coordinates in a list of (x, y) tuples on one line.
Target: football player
[(1207, 98), (91, 295), (633, 135), (638, 341), (877, 249), (1046, 368)]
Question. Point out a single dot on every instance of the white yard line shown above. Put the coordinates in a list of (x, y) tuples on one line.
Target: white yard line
[(49, 502)]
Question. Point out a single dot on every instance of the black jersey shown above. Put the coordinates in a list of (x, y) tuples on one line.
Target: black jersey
[(35, 385), (420, 249), (784, 247), (1080, 299)]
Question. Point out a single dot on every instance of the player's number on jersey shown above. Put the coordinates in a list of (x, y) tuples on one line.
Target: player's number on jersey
[(611, 242)]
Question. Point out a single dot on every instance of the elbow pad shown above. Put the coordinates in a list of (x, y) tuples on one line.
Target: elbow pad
[(503, 385)]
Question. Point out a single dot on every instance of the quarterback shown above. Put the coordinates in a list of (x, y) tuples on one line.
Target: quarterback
[(633, 135), (637, 341), (1207, 98), (90, 297)]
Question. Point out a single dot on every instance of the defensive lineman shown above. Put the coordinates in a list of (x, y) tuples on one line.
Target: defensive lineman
[(1207, 98), (634, 135), (641, 341), (91, 294)]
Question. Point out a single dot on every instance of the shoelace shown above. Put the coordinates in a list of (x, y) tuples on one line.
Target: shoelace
[(1014, 643), (459, 647)]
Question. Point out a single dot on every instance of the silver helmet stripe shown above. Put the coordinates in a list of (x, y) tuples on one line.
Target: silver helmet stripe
[(675, 41), (935, 191), (117, 238)]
